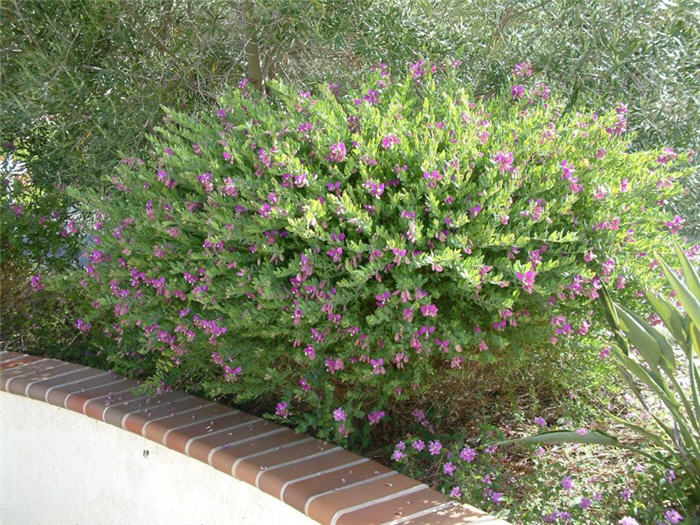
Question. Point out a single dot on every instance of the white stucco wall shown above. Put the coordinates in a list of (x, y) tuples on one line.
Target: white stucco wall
[(59, 467)]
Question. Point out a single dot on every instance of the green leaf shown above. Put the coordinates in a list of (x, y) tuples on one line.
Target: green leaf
[(651, 344), (560, 436), (670, 315), (685, 296), (691, 276)]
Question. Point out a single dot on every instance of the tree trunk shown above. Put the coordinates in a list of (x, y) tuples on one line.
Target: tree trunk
[(252, 50)]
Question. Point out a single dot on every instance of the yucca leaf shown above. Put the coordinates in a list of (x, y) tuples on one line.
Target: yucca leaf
[(694, 338), (643, 432), (670, 316), (694, 372), (650, 378), (690, 302), (608, 307), (691, 276), (649, 342), (593, 438)]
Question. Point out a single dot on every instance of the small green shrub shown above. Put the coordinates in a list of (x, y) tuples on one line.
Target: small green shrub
[(334, 255)]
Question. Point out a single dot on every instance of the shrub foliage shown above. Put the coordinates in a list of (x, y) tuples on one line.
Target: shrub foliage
[(333, 254)]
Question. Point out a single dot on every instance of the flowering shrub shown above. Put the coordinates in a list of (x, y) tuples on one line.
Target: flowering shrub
[(331, 254), (534, 485)]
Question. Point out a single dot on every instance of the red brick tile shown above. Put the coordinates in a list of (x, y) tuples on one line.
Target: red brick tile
[(77, 401), (178, 439), (39, 390), (33, 366), (61, 396), (224, 458), (204, 448), (272, 480), (301, 494), (324, 507), (200, 447), (138, 421), (95, 406), (117, 413), (57, 395), (393, 508), (156, 430), (453, 515), (18, 363), (18, 385), (6, 357), (248, 469)]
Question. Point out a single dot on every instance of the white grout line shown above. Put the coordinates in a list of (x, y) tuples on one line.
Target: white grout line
[(88, 401), (28, 363), (28, 374), (362, 482), (294, 462), (46, 396), (242, 441), (199, 407), (267, 451), (232, 427), (83, 390), (104, 412), (156, 405), (26, 390), (12, 359), (192, 423), (376, 501), (320, 473), (420, 514)]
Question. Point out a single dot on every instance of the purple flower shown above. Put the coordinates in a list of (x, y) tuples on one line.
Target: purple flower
[(333, 364), (516, 91), (418, 445), (626, 495), (389, 141), (337, 152), (376, 189), (504, 159), (282, 409), (429, 310), (540, 421), (522, 70), (378, 366), (205, 181), (449, 468), (585, 503), (375, 417), (82, 325), (672, 516), (335, 254), (496, 497), (668, 155), (339, 414), (434, 447), (467, 454), (398, 455), (455, 492), (35, 281), (310, 352), (676, 224), (567, 483), (528, 280)]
